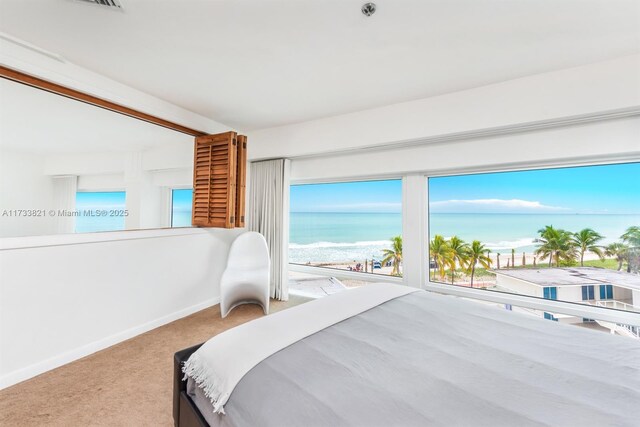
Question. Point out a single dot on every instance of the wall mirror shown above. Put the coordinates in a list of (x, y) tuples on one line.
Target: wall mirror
[(71, 167)]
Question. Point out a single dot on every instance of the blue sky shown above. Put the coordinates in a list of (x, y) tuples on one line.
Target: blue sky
[(111, 200), (182, 199), (590, 189), (181, 207), (100, 200), (605, 189), (371, 196)]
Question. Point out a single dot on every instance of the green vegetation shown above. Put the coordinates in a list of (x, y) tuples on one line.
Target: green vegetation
[(394, 255), (555, 244), (478, 254), (441, 253), (586, 240), (459, 252), (611, 264), (562, 248), (619, 251), (456, 252)]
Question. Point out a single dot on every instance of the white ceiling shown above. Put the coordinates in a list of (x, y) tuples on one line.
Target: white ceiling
[(259, 63), (32, 120)]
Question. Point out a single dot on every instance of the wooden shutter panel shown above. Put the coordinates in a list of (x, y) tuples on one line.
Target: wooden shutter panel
[(241, 177), (214, 180)]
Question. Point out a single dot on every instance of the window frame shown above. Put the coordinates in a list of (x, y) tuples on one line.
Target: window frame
[(588, 291), (525, 301), (346, 274), (416, 253), (170, 211), (606, 292), (550, 292), (109, 190)]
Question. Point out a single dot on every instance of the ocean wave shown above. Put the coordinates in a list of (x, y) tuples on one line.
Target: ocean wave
[(510, 244), (316, 245)]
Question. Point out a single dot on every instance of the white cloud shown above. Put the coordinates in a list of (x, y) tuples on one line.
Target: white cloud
[(493, 205)]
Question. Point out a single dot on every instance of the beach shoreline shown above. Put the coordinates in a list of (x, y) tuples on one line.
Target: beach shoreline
[(479, 281)]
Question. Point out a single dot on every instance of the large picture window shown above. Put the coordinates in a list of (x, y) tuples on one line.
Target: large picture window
[(355, 226), (531, 232)]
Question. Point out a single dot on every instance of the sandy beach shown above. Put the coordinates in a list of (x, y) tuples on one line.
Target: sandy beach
[(463, 279)]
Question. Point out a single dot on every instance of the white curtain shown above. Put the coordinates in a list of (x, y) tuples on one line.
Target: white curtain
[(64, 198), (268, 214)]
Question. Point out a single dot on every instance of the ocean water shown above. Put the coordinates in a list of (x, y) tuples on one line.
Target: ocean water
[(347, 237), (340, 237)]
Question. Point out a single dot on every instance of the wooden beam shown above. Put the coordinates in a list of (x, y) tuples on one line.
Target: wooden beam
[(29, 80)]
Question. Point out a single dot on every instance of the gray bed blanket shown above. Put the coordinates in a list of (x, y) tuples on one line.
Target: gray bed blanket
[(431, 360)]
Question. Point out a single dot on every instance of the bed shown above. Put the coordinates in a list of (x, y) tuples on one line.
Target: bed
[(383, 355)]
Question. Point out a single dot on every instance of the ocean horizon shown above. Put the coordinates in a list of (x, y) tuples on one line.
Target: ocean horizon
[(345, 237)]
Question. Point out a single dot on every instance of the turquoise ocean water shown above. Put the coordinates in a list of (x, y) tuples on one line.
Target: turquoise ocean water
[(345, 237)]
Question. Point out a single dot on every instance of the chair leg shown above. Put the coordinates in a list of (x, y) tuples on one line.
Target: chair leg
[(224, 310)]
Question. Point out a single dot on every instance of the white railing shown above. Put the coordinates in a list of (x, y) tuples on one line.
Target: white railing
[(344, 274), (587, 311), (620, 329), (618, 305)]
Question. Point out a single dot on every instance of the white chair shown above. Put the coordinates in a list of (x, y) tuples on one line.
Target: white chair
[(246, 278)]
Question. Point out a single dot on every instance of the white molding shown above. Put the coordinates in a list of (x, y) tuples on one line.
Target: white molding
[(13, 243), (526, 301), (517, 128), (30, 59), (344, 274), (566, 162), (93, 347)]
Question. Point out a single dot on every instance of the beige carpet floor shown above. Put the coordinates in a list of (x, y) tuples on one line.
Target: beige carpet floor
[(129, 384)]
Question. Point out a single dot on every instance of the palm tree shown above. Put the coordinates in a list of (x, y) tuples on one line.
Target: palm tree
[(586, 240), (458, 254), (441, 253), (619, 251), (632, 236), (394, 254), (477, 253), (555, 244), (546, 243)]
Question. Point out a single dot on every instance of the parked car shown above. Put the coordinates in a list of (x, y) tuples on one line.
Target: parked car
[(376, 264)]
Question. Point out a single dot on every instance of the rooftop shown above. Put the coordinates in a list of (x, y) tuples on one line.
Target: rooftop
[(573, 276)]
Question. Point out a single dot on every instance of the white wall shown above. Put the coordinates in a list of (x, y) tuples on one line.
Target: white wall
[(146, 177), (619, 294), (70, 75), (595, 88), (598, 141), (64, 297), (582, 115), (572, 293), (59, 303), (519, 286), (101, 182), (24, 186)]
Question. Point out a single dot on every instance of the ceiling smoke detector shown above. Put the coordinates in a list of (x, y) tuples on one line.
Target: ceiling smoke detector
[(368, 9), (107, 3)]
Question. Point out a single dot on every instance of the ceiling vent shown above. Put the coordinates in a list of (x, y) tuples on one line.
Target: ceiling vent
[(115, 4)]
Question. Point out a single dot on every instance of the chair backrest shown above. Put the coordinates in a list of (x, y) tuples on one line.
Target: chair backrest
[(250, 251)]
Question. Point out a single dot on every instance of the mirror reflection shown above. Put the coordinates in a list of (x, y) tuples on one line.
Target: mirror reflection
[(71, 167)]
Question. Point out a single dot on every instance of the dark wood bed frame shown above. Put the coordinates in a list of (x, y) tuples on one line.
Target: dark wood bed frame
[(185, 411)]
